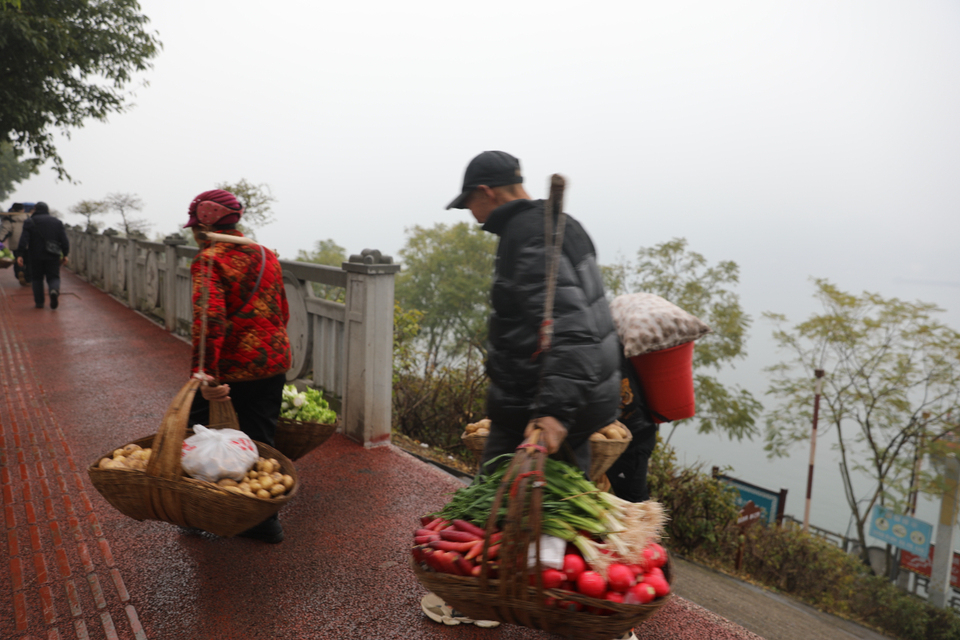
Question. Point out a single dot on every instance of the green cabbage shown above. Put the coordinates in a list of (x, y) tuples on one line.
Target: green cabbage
[(306, 406)]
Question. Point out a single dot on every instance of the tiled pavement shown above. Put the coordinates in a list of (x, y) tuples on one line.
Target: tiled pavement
[(93, 375)]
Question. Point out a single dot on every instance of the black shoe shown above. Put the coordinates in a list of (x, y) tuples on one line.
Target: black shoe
[(269, 531), (54, 299)]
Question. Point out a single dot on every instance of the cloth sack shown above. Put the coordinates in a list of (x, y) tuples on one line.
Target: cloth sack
[(646, 322)]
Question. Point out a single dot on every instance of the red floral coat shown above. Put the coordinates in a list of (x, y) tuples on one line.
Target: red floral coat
[(245, 340)]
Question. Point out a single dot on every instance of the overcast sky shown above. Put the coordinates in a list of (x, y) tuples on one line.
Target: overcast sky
[(798, 139)]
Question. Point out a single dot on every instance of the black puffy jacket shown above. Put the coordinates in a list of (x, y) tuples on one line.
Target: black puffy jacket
[(580, 384), (39, 228)]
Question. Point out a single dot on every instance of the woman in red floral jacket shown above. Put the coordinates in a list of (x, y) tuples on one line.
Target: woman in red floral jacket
[(246, 349)]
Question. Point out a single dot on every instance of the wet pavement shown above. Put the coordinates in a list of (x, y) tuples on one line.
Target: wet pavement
[(93, 375)]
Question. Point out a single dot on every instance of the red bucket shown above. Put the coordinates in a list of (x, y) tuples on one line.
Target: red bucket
[(667, 380)]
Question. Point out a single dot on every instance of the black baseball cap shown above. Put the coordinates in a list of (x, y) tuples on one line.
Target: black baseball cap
[(492, 168)]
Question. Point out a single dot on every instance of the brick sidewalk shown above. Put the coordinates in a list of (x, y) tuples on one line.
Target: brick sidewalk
[(63, 579), (94, 375)]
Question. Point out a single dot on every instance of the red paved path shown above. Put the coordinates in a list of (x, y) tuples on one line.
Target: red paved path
[(93, 375)]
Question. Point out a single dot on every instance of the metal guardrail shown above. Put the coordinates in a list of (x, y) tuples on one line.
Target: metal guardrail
[(344, 348)]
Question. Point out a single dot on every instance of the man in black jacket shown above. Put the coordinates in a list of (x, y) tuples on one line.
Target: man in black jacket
[(45, 244), (572, 389)]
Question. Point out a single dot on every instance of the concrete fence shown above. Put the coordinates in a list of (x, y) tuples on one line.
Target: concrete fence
[(344, 348)]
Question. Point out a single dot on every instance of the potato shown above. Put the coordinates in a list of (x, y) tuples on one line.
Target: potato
[(105, 463), (263, 493), (277, 489), (472, 427), (136, 464), (596, 436), (232, 489), (130, 448), (287, 481), (266, 482), (255, 485), (120, 460), (483, 431), (277, 476), (276, 464), (244, 486), (252, 474), (117, 453), (148, 451), (227, 482)]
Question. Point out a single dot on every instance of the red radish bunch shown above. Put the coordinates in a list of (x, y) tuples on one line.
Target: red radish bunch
[(454, 547)]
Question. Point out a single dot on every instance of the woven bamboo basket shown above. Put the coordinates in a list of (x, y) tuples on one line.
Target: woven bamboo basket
[(296, 439), (162, 492), (5, 263), (603, 453), (510, 598)]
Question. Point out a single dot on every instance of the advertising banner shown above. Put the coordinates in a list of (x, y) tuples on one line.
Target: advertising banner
[(904, 532)]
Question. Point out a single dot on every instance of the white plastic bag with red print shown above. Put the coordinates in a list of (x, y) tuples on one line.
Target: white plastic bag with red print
[(214, 454)]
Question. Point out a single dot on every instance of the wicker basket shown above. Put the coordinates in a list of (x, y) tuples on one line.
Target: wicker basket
[(163, 493), (5, 263), (511, 598), (296, 439), (603, 453)]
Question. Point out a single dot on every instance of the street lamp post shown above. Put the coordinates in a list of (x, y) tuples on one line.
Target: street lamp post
[(813, 446)]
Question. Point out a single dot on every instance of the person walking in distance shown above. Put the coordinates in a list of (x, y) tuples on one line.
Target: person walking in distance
[(44, 243)]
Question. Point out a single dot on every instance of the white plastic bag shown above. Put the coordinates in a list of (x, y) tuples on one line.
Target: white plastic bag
[(213, 454)]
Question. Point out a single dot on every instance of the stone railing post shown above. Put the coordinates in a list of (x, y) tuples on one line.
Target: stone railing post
[(131, 273), (170, 281), (106, 250), (368, 342)]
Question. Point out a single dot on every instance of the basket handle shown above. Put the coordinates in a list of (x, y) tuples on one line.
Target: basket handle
[(168, 443)]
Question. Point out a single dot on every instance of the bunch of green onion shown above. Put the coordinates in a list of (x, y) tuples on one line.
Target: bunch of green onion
[(572, 509)]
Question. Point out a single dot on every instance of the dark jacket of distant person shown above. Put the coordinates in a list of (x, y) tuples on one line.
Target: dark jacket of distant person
[(40, 228)]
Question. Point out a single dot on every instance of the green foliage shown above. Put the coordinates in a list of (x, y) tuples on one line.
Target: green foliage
[(257, 202), (13, 171), (685, 278), (892, 380), (433, 405), (702, 509), (66, 62), (448, 272), (329, 253), (88, 209)]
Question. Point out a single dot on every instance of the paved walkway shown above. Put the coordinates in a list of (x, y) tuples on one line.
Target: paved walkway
[(92, 375)]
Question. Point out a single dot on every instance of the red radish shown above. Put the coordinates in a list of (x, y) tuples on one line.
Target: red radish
[(656, 574), (640, 594), (469, 527), (437, 524), (446, 545), (613, 596), (425, 539), (475, 550), (570, 605), (465, 566), (660, 586), (654, 555), (552, 578), (425, 520), (418, 554), (573, 566), (550, 601), (475, 572), (457, 536), (620, 577), (592, 584), (636, 569), (492, 552)]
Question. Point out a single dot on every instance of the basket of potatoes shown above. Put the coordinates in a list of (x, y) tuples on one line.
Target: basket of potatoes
[(475, 435), (606, 445), (145, 481)]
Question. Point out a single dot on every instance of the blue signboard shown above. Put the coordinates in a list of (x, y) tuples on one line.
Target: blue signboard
[(904, 532), (768, 501)]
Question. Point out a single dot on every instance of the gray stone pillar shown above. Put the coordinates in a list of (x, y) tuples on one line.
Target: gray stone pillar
[(939, 588), (131, 273), (170, 281), (368, 342)]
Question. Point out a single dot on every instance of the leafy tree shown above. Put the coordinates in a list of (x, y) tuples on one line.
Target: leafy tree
[(256, 200), (892, 378), (448, 271), (66, 62), (13, 170), (88, 209), (125, 204), (329, 253), (684, 278)]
